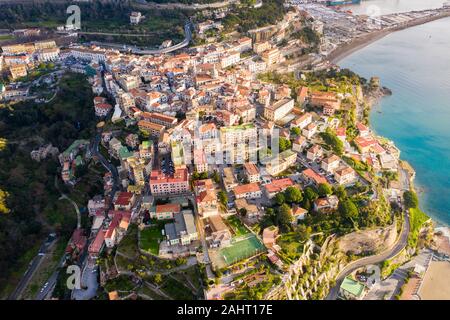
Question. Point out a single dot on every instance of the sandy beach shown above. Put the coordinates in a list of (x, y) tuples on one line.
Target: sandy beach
[(358, 43)]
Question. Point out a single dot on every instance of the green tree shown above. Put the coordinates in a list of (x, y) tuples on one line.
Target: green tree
[(293, 195), (284, 217), (223, 198), (157, 278), (348, 209), (411, 200), (296, 131), (324, 189), (284, 144), (280, 198), (310, 194)]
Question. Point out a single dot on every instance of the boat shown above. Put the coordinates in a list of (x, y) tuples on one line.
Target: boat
[(342, 2)]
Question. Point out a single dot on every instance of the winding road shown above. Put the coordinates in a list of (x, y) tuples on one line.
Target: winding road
[(392, 252)]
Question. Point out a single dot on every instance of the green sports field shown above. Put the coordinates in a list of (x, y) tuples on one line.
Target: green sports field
[(242, 248)]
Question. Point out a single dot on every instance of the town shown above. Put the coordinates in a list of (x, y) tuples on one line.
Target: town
[(227, 174)]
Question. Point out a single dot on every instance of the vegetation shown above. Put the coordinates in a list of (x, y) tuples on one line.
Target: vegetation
[(246, 18), (411, 199), (29, 190), (333, 141)]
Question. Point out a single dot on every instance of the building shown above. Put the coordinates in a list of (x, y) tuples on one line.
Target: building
[(161, 119), (161, 184), (302, 121), (299, 144), (48, 54), (95, 204), (302, 94), (151, 128), (314, 153), (251, 172), (271, 56), (229, 180), (310, 176), (102, 109), (328, 101), (279, 110), (124, 201), (331, 163), (310, 130), (345, 176), (117, 228), (298, 214), (200, 161), (207, 203), (247, 191), (327, 204), (218, 234), (260, 47), (96, 246), (183, 230), (18, 71), (165, 211), (276, 186), (251, 210), (282, 162), (135, 17), (230, 59)]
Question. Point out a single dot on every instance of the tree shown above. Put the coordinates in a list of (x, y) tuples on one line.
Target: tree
[(158, 278), (3, 207), (243, 212), (348, 209), (296, 131), (411, 200), (340, 192), (324, 189), (215, 176), (223, 198), (284, 216), (293, 195), (280, 198), (310, 194), (284, 144)]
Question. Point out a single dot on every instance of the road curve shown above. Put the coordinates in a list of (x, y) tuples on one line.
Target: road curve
[(351, 267)]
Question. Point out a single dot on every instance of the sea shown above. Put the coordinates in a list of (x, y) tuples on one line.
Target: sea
[(415, 64)]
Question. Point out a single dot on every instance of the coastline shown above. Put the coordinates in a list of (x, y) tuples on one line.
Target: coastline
[(358, 43)]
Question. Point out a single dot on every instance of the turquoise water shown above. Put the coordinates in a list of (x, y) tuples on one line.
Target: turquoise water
[(415, 64)]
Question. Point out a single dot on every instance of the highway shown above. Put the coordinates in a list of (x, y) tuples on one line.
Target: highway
[(136, 50), (390, 253), (34, 264)]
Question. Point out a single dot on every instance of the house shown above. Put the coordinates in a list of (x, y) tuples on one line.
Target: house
[(135, 17), (96, 246), (251, 172), (345, 176), (314, 153), (95, 204), (165, 211), (302, 94), (269, 236), (182, 231), (117, 228), (251, 210), (278, 110), (124, 201), (351, 289), (327, 204), (207, 203), (362, 129), (229, 180), (310, 130), (203, 185), (102, 109), (282, 162), (247, 191), (310, 176), (341, 134), (299, 144), (151, 128), (302, 121), (218, 234), (328, 101), (331, 163), (200, 161), (161, 184), (298, 213), (77, 243), (276, 186)]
